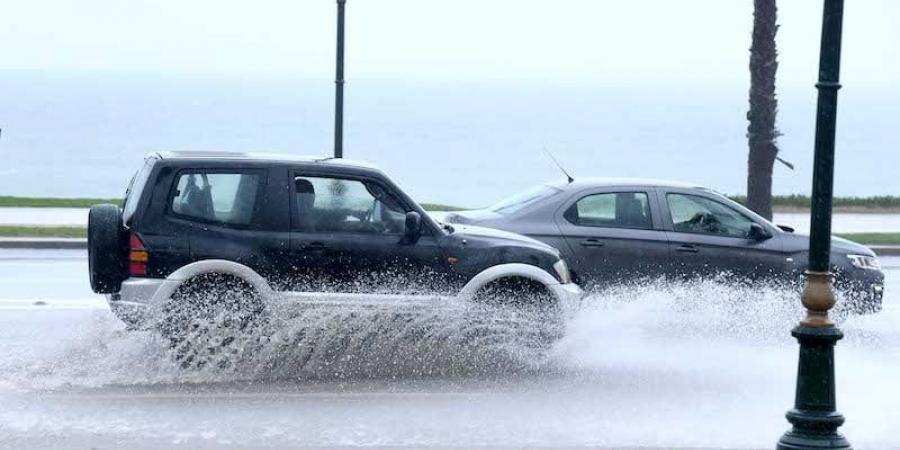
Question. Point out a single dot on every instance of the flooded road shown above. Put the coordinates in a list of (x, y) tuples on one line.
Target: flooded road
[(687, 366)]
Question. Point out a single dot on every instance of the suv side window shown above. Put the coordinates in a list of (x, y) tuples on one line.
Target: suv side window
[(696, 214), (339, 205), (228, 198), (612, 210)]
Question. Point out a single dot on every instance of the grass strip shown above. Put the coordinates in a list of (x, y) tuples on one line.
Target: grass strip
[(54, 202), (803, 202), (440, 207), (873, 238), (39, 231)]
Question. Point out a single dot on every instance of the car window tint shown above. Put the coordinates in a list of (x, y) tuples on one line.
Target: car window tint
[(615, 210), (696, 214), (216, 197), (334, 205)]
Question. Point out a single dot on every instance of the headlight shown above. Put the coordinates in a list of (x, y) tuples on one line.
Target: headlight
[(562, 270), (864, 262)]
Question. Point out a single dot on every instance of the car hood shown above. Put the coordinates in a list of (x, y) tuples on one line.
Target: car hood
[(800, 241), (471, 216), (472, 231)]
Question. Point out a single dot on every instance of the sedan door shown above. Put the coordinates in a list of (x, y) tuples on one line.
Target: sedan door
[(709, 237), (613, 235)]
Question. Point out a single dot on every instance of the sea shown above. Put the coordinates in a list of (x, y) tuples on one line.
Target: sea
[(460, 143)]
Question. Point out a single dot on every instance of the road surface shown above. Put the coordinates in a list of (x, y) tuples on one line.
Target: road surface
[(687, 366)]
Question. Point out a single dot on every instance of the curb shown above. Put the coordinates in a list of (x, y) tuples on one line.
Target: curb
[(886, 250), (44, 243)]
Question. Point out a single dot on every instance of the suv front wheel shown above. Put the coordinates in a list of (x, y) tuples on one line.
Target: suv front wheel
[(522, 310)]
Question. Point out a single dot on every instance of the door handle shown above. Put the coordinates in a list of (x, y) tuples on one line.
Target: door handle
[(687, 248), (591, 243)]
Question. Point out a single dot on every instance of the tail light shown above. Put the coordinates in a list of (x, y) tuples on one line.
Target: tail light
[(137, 256)]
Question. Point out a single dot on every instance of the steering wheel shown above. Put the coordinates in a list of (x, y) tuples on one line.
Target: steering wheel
[(706, 221), (710, 222), (369, 216)]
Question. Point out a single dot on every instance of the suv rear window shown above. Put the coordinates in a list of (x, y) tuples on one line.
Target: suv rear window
[(135, 189), (222, 197)]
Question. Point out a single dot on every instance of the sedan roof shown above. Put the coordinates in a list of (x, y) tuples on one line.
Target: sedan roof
[(579, 183)]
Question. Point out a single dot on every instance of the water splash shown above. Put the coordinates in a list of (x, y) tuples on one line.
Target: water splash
[(696, 361), (617, 327)]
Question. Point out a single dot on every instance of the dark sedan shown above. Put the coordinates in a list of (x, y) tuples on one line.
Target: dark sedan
[(615, 230)]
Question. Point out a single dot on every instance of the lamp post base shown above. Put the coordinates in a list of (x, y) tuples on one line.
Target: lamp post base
[(806, 440), (814, 418)]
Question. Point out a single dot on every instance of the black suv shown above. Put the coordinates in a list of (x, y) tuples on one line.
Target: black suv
[(269, 229)]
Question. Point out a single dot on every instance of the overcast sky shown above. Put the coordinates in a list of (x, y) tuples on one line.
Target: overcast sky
[(700, 41)]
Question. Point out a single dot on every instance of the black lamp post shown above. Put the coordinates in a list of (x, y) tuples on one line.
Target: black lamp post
[(814, 417), (339, 84)]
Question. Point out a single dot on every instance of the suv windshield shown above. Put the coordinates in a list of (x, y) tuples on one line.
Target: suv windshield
[(518, 201)]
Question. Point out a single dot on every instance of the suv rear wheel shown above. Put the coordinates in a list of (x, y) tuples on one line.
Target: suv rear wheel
[(213, 320)]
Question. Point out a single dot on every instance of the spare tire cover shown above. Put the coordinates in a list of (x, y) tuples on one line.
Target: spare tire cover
[(106, 248)]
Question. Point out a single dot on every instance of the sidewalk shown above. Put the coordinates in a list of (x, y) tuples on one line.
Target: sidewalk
[(43, 216)]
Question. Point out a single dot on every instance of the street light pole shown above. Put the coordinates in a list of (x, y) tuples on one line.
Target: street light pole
[(339, 84), (814, 417)]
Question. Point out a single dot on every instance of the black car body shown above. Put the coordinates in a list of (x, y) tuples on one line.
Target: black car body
[(283, 224), (615, 230)]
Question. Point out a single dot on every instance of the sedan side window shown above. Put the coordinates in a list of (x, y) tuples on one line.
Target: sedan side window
[(335, 205), (612, 210), (696, 214)]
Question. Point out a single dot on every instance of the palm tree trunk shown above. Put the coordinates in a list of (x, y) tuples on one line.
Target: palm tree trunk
[(761, 132)]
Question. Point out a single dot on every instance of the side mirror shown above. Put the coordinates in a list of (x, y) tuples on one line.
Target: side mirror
[(758, 233), (413, 228)]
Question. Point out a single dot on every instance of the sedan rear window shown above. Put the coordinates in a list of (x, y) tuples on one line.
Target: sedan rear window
[(228, 198), (518, 201)]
